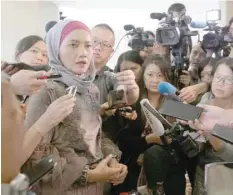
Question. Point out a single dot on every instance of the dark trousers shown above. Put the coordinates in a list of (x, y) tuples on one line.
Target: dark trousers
[(159, 166), (130, 182)]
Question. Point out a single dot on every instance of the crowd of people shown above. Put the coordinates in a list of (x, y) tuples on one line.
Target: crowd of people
[(98, 149)]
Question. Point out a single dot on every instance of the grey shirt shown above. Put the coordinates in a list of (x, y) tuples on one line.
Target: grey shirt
[(105, 80)]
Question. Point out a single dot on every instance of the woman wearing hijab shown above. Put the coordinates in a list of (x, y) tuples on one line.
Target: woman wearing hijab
[(82, 154)]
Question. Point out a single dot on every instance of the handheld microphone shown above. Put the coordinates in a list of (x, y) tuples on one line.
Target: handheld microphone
[(169, 91), (158, 16), (128, 27), (152, 118), (198, 25)]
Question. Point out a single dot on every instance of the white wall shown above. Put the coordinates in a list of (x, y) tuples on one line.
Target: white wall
[(227, 11), (23, 18)]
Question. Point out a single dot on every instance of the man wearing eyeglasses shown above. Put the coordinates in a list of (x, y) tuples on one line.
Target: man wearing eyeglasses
[(103, 40)]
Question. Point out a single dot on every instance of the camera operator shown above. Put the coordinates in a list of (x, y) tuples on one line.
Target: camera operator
[(215, 150), (103, 41), (231, 34)]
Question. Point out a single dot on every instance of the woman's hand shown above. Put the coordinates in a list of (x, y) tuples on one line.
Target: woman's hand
[(210, 116), (105, 111), (131, 114), (102, 172), (119, 177), (127, 79), (8, 69), (26, 82), (56, 113), (189, 94)]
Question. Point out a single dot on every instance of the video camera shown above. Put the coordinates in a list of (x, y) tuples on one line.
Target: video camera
[(139, 39), (217, 38), (173, 31)]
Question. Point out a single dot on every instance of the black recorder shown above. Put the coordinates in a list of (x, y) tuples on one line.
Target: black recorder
[(44, 167), (23, 66), (117, 99), (223, 133)]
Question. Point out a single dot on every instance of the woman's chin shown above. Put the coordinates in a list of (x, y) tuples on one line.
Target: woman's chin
[(80, 71)]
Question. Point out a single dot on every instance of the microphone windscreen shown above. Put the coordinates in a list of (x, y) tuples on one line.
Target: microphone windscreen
[(128, 27), (157, 16), (166, 88)]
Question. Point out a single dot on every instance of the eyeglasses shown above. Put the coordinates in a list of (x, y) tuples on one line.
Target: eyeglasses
[(226, 80), (104, 45)]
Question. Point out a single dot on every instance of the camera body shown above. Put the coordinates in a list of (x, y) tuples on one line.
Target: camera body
[(139, 39), (187, 144), (217, 38), (174, 32)]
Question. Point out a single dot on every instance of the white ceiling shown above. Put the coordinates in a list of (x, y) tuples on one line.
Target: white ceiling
[(129, 4)]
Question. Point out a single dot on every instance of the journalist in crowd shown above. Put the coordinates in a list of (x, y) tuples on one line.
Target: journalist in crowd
[(221, 96), (103, 40), (30, 50)]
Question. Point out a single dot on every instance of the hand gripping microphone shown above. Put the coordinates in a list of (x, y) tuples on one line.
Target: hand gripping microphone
[(152, 119), (157, 123), (169, 91)]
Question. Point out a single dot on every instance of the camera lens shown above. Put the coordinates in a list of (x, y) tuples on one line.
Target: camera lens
[(169, 34)]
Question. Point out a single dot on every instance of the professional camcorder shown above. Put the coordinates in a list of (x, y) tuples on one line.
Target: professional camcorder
[(217, 38), (173, 31), (139, 39)]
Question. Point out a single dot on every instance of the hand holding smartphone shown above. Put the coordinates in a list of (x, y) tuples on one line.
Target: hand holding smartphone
[(180, 110)]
